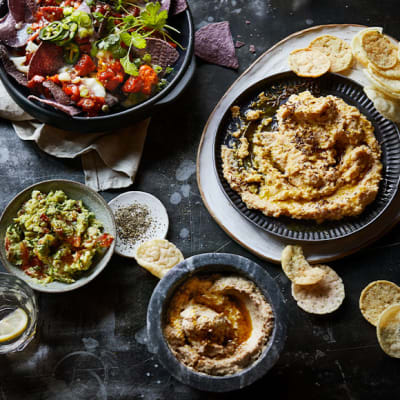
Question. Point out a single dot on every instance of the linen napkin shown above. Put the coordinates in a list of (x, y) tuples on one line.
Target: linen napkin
[(109, 160)]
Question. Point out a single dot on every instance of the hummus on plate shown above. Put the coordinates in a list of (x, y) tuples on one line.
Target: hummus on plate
[(218, 324), (316, 159)]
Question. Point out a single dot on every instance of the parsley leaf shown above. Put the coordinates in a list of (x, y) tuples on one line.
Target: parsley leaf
[(128, 66), (152, 17), (133, 39)]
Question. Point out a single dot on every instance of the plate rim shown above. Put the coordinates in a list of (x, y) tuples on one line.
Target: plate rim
[(220, 178), (68, 287), (162, 206)]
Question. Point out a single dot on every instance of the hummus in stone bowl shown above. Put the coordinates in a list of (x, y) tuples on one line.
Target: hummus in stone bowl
[(217, 322)]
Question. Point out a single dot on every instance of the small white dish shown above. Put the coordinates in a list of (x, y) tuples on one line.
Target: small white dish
[(157, 212)]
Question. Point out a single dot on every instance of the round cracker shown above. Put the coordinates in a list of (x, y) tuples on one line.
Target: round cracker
[(377, 86), (337, 50), (378, 49), (323, 297), (392, 73), (376, 297), (296, 267), (389, 108), (308, 63), (390, 86), (358, 52), (158, 256), (388, 331)]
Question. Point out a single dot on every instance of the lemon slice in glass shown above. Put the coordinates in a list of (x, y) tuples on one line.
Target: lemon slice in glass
[(13, 325)]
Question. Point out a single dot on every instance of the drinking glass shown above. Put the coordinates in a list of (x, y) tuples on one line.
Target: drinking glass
[(14, 294)]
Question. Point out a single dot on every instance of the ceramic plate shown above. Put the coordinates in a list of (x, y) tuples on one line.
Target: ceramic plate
[(386, 133), (159, 225), (74, 190)]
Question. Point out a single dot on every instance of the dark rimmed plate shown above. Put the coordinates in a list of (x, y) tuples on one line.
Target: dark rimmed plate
[(386, 133)]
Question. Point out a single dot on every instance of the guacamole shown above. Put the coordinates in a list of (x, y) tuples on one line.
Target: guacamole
[(54, 238)]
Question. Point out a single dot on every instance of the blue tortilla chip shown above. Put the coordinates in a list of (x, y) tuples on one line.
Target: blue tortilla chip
[(57, 93), (178, 6), (162, 53), (70, 110), (10, 67), (47, 60), (214, 44), (22, 10), (13, 33)]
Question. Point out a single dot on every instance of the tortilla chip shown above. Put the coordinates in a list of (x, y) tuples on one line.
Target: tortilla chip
[(388, 331), (297, 269), (337, 50), (158, 256), (178, 6), (214, 44), (376, 298), (378, 49), (57, 93), (323, 297), (162, 53), (47, 60), (10, 67), (22, 10), (165, 4), (10, 35), (70, 110), (308, 63)]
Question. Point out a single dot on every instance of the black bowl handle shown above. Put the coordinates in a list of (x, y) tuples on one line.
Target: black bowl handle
[(180, 87)]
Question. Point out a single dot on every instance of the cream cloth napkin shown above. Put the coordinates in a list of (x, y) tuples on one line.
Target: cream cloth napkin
[(109, 160)]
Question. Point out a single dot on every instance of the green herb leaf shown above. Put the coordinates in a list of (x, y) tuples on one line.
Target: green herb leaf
[(152, 17), (99, 16), (128, 66), (133, 39)]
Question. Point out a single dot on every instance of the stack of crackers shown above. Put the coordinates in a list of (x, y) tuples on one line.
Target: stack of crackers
[(378, 55), (317, 289), (380, 306)]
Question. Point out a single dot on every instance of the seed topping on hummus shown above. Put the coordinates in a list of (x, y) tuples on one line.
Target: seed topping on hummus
[(218, 324), (318, 159)]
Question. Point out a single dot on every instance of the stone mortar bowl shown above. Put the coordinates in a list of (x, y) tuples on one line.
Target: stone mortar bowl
[(215, 263)]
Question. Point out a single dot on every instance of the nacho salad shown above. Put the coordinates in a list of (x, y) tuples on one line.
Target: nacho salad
[(86, 56), (54, 238)]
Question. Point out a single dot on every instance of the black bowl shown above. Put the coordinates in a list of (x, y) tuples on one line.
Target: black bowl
[(118, 117), (215, 263), (386, 132)]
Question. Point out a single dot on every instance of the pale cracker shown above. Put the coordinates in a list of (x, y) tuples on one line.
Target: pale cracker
[(388, 331), (323, 297), (388, 107), (308, 63), (378, 49), (337, 50), (296, 267), (390, 86), (392, 73), (358, 52), (158, 256), (376, 297)]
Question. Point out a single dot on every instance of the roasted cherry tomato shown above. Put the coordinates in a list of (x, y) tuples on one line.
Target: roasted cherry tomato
[(85, 65), (134, 84)]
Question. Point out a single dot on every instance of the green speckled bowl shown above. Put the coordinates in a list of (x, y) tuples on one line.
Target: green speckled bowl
[(74, 190)]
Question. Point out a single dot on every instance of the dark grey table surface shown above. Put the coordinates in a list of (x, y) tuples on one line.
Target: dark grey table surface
[(90, 343)]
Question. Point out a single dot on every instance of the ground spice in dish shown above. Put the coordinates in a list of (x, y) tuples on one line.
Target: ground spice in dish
[(133, 222)]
